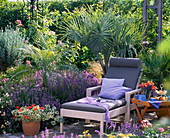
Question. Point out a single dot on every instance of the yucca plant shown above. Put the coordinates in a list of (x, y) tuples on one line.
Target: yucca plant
[(105, 33), (10, 40)]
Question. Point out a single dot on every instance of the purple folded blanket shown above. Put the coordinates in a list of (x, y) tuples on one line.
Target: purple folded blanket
[(90, 100)]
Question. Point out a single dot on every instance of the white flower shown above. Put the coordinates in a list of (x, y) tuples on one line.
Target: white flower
[(145, 42), (7, 94)]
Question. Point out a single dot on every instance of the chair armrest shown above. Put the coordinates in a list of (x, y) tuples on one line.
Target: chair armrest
[(89, 90), (128, 95)]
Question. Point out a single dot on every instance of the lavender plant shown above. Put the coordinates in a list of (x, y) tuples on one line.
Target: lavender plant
[(26, 92), (68, 85), (126, 128), (135, 130)]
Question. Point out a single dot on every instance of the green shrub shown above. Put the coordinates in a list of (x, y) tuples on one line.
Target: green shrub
[(10, 40), (156, 67)]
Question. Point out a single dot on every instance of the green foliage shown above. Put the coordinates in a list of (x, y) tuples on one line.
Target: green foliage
[(103, 32), (5, 102), (156, 67), (47, 52), (10, 40), (36, 113), (19, 71), (164, 48)]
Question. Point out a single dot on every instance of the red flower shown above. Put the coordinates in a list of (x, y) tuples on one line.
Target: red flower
[(42, 108), (33, 105), (20, 110), (17, 107), (26, 117), (35, 109), (27, 108), (15, 116), (30, 107)]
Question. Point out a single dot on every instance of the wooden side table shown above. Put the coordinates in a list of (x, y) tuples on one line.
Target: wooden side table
[(165, 105)]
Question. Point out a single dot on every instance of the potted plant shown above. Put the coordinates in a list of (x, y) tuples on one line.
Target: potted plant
[(148, 89), (32, 115)]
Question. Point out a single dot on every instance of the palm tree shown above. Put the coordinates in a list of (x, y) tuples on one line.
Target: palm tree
[(103, 32)]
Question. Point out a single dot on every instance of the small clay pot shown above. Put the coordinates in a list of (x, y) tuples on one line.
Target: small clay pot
[(31, 128), (164, 113)]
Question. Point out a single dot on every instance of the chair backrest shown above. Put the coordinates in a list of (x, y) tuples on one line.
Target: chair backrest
[(127, 68)]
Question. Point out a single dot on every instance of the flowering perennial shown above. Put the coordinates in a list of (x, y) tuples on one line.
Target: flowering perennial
[(36, 113)]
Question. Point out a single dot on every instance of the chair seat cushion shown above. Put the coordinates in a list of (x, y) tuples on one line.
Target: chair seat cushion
[(94, 108)]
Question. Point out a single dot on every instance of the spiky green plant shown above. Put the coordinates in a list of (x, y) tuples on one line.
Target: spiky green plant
[(156, 67), (103, 32), (10, 40)]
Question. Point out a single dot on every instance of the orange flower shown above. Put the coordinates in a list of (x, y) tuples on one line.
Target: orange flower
[(35, 109), (146, 86), (20, 110), (154, 88), (42, 108), (17, 107), (143, 84), (150, 83)]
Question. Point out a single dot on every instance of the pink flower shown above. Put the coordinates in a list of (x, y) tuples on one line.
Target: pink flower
[(145, 42), (18, 22), (161, 129), (151, 51), (149, 124), (143, 126), (26, 41), (59, 42), (28, 62), (3, 80), (54, 62), (144, 121), (97, 131), (28, 16), (33, 6)]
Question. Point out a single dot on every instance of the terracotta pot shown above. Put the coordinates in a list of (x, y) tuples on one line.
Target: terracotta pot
[(31, 128), (164, 113)]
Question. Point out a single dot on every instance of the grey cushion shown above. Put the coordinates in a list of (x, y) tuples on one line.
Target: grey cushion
[(127, 68), (94, 108)]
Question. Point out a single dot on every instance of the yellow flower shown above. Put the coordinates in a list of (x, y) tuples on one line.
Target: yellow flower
[(121, 135)]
